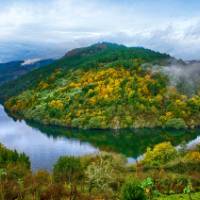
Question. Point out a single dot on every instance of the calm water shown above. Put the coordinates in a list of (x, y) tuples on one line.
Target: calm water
[(44, 144), (42, 149)]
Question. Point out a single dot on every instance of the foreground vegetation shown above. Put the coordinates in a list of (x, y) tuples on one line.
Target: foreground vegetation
[(163, 173), (194, 196)]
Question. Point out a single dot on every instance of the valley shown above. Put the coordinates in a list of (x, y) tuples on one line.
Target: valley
[(102, 122)]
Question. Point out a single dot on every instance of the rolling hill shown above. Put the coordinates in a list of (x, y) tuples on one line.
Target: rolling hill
[(103, 86), (87, 57)]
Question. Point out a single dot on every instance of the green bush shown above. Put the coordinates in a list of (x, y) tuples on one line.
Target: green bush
[(132, 190), (195, 196), (76, 122), (160, 154), (67, 169), (177, 123), (94, 122)]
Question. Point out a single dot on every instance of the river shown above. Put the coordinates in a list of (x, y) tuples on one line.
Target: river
[(45, 144)]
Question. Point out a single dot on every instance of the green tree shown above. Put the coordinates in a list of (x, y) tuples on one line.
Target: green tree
[(69, 170)]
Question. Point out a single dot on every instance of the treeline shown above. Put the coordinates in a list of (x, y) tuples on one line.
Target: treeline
[(10, 157), (162, 171)]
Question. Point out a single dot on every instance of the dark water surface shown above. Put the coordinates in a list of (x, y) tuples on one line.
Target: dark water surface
[(44, 144)]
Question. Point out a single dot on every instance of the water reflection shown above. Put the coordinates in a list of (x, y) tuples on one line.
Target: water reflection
[(44, 144), (42, 149), (131, 143)]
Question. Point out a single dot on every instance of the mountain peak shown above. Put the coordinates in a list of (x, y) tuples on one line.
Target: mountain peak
[(95, 48), (106, 45)]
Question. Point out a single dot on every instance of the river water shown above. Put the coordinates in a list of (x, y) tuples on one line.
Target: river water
[(42, 149), (45, 144)]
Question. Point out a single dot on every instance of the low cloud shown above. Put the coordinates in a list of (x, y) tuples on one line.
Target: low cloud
[(30, 61), (184, 76)]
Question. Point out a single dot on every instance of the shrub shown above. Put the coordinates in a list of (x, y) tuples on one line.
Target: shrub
[(160, 154), (94, 122), (68, 169), (132, 190), (177, 123), (42, 177), (192, 156), (148, 185), (76, 122), (100, 175)]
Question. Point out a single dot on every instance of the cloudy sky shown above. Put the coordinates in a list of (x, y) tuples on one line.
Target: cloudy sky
[(48, 28)]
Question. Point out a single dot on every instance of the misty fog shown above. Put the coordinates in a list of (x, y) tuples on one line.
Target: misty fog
[(185, 76)]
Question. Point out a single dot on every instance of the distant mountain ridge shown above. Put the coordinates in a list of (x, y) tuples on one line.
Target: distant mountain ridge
[(95, 48), (12, 70)]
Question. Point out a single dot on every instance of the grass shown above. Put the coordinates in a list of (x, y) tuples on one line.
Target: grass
[(195, 196)]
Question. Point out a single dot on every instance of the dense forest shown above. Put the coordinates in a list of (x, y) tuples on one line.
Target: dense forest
[(164, 173), (104, 86)]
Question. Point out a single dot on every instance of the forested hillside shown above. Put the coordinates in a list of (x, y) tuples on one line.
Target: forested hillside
[(104, 86), (83, 58)]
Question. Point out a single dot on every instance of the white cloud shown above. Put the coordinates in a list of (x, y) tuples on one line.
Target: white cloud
[(30, 61), (65, 24)]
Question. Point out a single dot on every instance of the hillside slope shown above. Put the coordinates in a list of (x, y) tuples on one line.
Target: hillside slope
[(105, 86), (88, 57)]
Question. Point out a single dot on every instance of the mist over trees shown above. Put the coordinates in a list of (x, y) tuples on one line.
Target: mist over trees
[(185, 76)]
